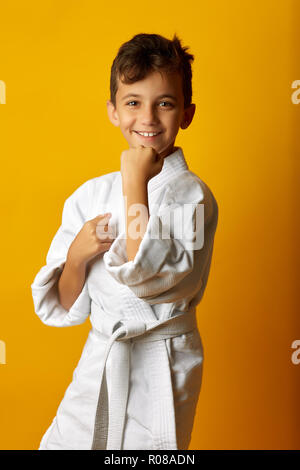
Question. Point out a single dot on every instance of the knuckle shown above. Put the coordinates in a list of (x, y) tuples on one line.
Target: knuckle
[(89, 223)]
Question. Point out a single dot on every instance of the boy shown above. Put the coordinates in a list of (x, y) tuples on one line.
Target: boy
[(137, 383)]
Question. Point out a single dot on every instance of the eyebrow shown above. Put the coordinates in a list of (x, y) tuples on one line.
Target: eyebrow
[(138, 96)]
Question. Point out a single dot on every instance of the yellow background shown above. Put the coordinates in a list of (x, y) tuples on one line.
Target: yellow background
[(55, 134)]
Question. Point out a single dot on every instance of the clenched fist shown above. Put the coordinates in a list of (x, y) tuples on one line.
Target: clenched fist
[(93, 239), (140, 163)]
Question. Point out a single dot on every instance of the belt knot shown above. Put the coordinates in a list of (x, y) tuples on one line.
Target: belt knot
[(131, 328)]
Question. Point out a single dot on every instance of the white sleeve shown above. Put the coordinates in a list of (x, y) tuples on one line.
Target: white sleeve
[(44, 287), (167, 269)]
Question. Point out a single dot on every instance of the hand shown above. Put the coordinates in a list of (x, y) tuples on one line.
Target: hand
[(140, 163), (91, 240)]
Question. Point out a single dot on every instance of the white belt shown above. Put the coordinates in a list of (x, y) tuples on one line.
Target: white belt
[(111, 413)]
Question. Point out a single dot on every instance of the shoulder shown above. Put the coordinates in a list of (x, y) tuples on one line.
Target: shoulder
[(103, 183), (85, 193), (187, 187), (89, 186)]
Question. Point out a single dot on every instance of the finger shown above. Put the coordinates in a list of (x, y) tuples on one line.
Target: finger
[(103, 219), (102, 229), (107, 214), (105, 247), (103, 234), (105, 240)]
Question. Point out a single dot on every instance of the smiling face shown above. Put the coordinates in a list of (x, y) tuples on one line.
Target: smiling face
[(154, 104)]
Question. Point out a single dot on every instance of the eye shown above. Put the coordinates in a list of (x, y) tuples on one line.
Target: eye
[(167, 102)]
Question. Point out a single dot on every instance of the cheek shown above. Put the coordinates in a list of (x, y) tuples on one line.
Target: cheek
[(125, 120), (172, 120), (173, 126), (128, 123)]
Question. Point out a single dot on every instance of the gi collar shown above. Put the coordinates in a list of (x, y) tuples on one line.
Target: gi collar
[(173, 164)]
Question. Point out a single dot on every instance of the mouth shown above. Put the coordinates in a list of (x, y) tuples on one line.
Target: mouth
[(148, 137)]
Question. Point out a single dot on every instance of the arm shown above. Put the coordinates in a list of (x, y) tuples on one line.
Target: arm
[(168, 269), (135, 193), (71, 282), (83, 249), (60, 282), (138, 166)]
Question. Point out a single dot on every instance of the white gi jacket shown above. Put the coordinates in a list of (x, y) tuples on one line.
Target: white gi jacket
[(138, 380)]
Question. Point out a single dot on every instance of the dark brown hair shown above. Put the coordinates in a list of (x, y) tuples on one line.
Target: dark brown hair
[(145, 53)]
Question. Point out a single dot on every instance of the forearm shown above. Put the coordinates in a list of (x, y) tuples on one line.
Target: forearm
[(135, 193), (71, 282)]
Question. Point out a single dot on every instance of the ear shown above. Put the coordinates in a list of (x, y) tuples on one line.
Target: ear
[(112, 113), (188, 115)]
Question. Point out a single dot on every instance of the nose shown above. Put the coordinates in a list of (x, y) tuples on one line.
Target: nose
[(148, 116)]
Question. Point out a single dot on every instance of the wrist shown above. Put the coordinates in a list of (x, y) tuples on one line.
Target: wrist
[(137, 189), (133, 181), (76, 263)]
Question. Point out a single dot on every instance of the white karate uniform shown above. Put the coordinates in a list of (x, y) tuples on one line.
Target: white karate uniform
[(149, 378)]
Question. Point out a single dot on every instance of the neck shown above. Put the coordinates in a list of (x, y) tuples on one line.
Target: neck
[(168, 151)]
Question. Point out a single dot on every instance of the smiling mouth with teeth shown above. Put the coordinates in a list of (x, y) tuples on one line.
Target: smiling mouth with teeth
[(147, 134)]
